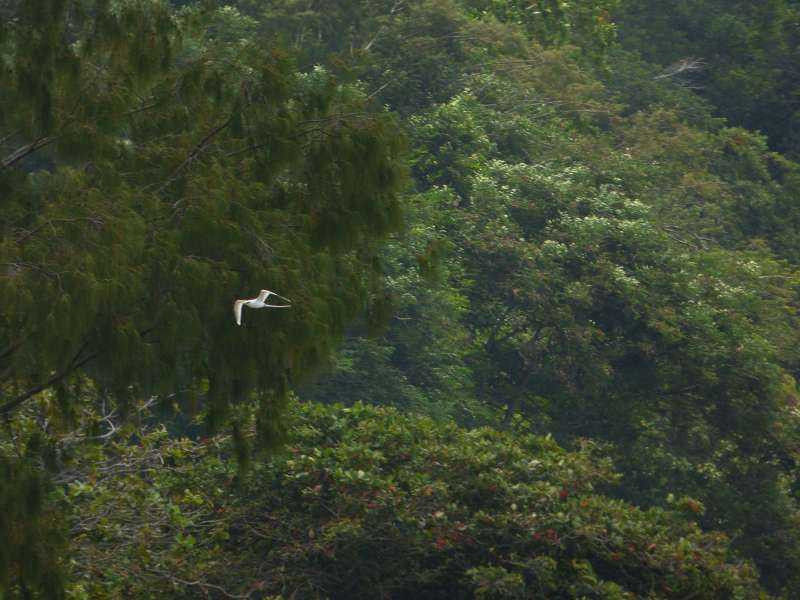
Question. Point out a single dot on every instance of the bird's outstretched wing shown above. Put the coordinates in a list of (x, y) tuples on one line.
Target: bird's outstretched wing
[(264, 294), (237, 310)]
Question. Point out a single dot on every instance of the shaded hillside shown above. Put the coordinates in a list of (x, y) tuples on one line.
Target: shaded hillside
[(491, 213)]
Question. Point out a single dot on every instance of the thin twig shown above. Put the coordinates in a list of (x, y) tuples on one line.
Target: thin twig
[(7, 137), (35, 230), (201, 584), (379, 90)]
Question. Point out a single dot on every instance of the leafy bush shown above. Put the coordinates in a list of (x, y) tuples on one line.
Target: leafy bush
[(368, 503)]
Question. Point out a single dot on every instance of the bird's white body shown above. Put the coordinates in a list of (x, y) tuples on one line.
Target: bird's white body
[(260, 302)]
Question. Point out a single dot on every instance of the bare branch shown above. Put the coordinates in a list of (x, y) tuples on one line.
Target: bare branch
[(379, 90), (337, 117), (18, 266), (26, 151), (76, 363), (201, 584), (685, 65)]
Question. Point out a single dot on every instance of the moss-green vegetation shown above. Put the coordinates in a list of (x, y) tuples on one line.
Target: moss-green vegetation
[(533, 218), (367, 503)]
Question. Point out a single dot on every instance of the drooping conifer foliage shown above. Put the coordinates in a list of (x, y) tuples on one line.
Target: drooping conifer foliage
[(150, 180), (151, 173)]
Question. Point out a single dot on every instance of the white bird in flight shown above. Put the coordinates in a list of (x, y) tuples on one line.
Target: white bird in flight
[(259, 302)]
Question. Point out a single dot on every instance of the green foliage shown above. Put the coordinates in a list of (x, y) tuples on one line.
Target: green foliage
[(152, 173), (32, 534), (620, 275), (411, 54), (587, 25), (143, 242), (369, 503), (745, 52), (420, 362), (588, 251), (593, 314)]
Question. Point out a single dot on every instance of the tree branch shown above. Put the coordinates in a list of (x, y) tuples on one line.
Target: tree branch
[(93, 220), (680, 67), (248, 149), (26, 151), (201, 584), (196, 151), (75, 364)]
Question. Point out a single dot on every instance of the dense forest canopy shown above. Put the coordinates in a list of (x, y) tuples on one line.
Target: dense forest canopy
[(520, 226)]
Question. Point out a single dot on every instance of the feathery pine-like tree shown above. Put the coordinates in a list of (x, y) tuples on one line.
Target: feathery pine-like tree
[(152, 171)]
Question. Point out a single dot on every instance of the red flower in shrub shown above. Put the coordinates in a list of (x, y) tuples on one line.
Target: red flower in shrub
[(564, 493), (693, 506)]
